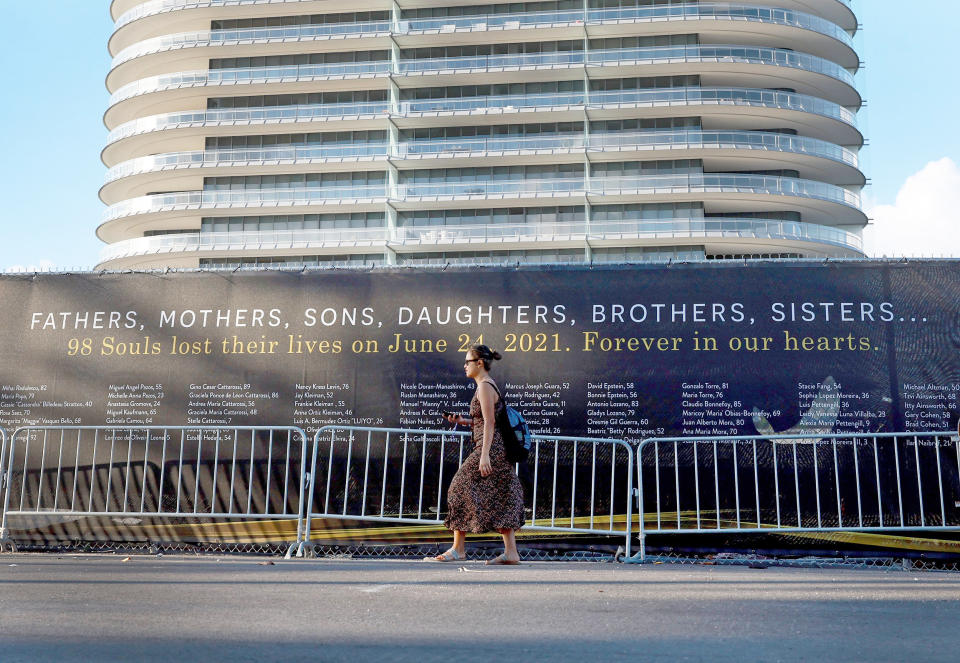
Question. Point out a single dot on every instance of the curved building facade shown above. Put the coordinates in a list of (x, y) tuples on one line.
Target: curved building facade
[(326, 132)]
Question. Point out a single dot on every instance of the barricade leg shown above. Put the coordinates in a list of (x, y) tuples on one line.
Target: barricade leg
[(308, 477), (303, 521), (5, 540), (640, 555)]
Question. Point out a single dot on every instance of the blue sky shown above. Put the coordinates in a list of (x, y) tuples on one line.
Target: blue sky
[(55, 61)]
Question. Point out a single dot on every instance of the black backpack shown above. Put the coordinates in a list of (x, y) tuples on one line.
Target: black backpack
[(514, 431)]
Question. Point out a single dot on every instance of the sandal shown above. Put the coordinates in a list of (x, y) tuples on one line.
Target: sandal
[(450, 556), (500, 560)]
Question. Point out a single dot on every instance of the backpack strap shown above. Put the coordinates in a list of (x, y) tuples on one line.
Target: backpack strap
[(494, 385)]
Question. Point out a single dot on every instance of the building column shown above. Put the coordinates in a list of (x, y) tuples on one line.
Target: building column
[(393, 140), (587, 211), (390, 221), (395, 17), (394, 192)]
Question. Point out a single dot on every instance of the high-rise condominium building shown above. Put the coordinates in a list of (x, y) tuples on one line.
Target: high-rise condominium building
[(328, 132)]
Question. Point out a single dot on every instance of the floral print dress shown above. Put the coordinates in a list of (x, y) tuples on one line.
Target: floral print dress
[(485, 504)]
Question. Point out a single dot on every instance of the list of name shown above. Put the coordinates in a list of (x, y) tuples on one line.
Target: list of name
[(133, 404), (828, 405), (708, 408), (927, 407), (219, 404), (35, 405), (614, 411), (422, 404), (316, 405), (543, 404)]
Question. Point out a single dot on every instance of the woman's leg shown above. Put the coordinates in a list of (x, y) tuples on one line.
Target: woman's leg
[(459, 546), (510, 545)]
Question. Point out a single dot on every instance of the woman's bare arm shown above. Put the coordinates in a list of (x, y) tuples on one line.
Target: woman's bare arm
[(485, 394)]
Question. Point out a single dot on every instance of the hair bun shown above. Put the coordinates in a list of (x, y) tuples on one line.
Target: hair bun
[(496, 355)]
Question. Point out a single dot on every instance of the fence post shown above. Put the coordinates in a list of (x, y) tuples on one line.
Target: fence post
[(630, 493), (302, 508), (308, 478), (4, 482), (642, 553)]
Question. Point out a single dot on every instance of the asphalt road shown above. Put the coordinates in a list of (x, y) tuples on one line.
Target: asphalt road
[(101, 608)]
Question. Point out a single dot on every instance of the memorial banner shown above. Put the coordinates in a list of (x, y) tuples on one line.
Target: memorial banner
[(623, 352)]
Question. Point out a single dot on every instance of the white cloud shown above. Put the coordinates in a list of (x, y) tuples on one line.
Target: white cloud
[(40, 266), (925, 219)]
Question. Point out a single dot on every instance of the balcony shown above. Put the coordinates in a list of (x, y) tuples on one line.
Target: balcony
[(411, 194), (284, 114), (281, 155), (836, 123), (154, 7), (625, 142), (726, 183), (245, 199), (630, 186), (249, 76), (619, 57), (214, 242), (616, 232), (282, 34), (728, 54), (488, 147), (729, 230), (486, 22)]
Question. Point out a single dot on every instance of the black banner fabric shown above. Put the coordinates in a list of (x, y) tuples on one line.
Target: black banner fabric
[(610, 352)]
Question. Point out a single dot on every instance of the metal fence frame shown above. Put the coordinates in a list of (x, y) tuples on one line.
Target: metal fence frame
[(829, 512), (791, 443), (4, 541), (200, 435), (422, 437)]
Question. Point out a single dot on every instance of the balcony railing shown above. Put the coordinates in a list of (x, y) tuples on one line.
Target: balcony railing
[(533, 233), (497, 189), (250, 35), (726, 54), (246, 116), (681, 96), (598, 16), (625, 13), (624, 56), (492, 189), (598, 58), (726, 183), (481, 145), (627, 229), (243, 241), (249, 156), (632, 185), (248, 75), (481, 22), (163, 6), (247, 198)]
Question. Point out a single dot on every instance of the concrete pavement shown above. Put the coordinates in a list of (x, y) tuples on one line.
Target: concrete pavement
[(178, 608)]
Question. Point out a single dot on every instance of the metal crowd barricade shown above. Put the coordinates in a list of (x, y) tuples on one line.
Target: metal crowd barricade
[(798, 483), (231, 485), (3, 479), (392, 475)]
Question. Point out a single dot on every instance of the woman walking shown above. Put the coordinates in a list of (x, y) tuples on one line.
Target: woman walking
[(485, 494)]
